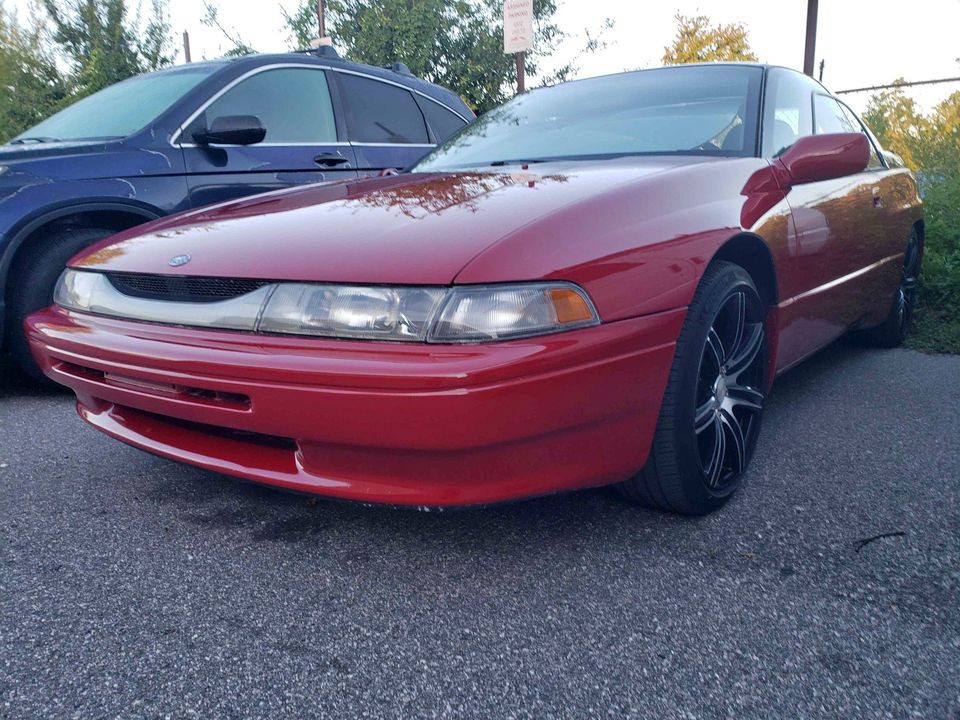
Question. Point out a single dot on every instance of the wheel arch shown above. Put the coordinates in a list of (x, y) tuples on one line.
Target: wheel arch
[(113, 215), (750, 252)]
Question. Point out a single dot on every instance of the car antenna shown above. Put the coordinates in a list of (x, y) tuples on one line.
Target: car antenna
[(400, 69)]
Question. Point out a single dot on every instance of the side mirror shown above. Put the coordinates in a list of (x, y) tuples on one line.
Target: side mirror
[(232, 130), (825, 157)]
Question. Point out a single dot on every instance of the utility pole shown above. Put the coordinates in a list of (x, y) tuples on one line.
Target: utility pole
[(810, 50), (320, 19), (186, 46)]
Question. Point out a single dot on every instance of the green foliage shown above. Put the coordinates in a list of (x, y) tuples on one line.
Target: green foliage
[(938, 322), (698, 40), (894, 117), (455, 43), (31, 86), (104, 44), (930, 145)]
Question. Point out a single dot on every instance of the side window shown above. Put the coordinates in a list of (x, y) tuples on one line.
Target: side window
[(443, 122), (381, 113), (830, 117), (787, 112), (292, 103), (875, 161)]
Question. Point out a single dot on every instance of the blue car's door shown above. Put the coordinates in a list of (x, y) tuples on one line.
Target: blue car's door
[(385, 123), (302, 144)]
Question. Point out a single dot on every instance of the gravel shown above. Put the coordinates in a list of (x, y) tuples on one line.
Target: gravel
[(131, 586)]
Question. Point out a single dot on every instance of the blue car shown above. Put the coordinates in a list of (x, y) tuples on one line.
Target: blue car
[(193, 135)]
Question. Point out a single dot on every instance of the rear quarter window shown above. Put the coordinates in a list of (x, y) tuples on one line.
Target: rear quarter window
[(443, 122), (378, 112)]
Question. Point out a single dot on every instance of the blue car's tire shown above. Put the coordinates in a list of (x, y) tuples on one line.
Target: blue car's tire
[(33, 278)]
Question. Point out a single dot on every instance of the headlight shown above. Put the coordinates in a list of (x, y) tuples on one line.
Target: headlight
[(462, 314), (372, 313), (499, 312)]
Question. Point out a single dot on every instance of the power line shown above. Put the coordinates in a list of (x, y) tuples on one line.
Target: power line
[(898, 84)]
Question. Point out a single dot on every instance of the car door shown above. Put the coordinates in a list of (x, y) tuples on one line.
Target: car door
[(385, 125), (835, 223), (302, 144), (893, 191), (839, 226)]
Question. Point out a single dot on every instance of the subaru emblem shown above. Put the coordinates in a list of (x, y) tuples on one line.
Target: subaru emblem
[(179, 260)]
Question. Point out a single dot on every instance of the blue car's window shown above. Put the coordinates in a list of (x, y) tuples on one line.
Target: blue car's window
[(122, 109), (443, 122), (381, 113), (293, 104), (689, 110)]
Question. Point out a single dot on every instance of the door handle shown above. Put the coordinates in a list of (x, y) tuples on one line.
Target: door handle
[(330, 159), (877, 199)]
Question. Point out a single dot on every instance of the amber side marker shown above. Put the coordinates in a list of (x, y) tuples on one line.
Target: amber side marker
[(570, 306)]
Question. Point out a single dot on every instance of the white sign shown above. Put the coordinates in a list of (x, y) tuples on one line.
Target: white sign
[(517, 26)]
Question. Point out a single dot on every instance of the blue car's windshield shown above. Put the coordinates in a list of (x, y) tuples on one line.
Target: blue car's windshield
[(689, 110), (121, 109)]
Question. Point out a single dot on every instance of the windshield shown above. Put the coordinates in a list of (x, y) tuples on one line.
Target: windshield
[(119, 110), (709, 110)]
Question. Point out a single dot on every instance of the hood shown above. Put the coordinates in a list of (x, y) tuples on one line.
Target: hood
[(87, 160), (36, 151), (407, 229)]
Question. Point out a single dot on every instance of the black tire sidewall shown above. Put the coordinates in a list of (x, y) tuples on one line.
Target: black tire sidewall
[(32, 281), (724, 280)]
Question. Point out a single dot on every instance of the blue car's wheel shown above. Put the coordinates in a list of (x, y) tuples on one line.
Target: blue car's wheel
[(32, 279)]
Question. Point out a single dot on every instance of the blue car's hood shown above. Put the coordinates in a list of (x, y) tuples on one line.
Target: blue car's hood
[(34, 151), (86, 160)]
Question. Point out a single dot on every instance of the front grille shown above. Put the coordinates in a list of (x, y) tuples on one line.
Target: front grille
[(182, 289)]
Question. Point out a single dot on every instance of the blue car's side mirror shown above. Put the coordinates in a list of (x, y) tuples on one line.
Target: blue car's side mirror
[(232, 130)]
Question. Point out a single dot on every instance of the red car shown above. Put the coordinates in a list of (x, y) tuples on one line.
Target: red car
[(594, 284)]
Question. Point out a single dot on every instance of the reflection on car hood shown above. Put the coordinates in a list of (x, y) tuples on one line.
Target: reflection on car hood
[(410, 229)]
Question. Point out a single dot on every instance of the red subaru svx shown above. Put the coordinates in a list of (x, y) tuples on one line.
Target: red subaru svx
[(594, 284)]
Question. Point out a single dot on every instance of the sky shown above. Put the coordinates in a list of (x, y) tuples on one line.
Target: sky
[(863, 43)]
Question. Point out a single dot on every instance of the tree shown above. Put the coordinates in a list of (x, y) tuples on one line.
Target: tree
[(899, 125), (104, 45), (31, 85), (211, 18), (698, 40), (454, 43), (943, 130)]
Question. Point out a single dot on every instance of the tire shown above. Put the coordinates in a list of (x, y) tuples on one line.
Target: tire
[(33, 277), (713, 404), (894, 329)]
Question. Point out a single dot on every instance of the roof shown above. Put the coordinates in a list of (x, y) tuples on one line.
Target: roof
[(437, 91)]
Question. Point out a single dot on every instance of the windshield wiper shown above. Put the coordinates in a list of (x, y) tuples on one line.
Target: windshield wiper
[(501, 163), (32, 140)]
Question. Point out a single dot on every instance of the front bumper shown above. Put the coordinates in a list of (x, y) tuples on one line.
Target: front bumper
[(375, 422)]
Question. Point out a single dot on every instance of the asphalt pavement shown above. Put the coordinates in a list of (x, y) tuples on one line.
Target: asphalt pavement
[(134, 587)]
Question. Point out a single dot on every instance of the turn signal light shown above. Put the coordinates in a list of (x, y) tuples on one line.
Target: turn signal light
[(570, 306)]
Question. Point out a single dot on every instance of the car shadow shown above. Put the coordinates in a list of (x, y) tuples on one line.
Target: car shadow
[(15, 384), (208, 501)]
